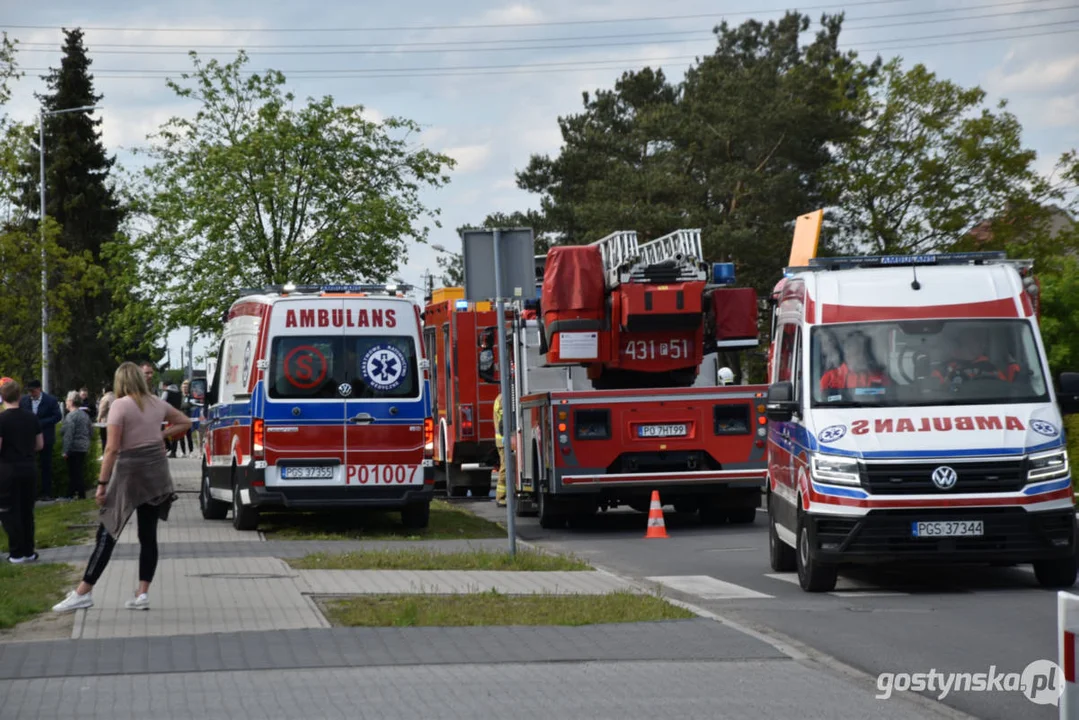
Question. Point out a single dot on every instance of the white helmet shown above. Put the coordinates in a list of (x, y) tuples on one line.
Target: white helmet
[(726, 376)]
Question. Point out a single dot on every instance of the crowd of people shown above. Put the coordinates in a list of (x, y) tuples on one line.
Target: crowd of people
[(139, 431)]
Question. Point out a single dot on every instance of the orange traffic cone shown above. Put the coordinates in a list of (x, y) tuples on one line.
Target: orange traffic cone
[(656, 526)]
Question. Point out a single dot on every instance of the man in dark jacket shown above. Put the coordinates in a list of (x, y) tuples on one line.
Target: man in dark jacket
[(48, 415)]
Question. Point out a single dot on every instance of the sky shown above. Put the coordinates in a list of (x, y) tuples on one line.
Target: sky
[(488, 80)]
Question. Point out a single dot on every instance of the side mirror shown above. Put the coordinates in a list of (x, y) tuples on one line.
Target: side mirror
[(1068, 394), (780, 405)]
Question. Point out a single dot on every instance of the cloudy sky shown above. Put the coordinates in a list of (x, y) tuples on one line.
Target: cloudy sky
[(488, 79)]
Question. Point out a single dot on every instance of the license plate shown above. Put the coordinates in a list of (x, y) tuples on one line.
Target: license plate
[(322, 472), (948, 528), (661, 431), (384, 475)]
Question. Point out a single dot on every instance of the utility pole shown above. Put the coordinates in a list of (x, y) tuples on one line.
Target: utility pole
[(190, 354), (41, 222)]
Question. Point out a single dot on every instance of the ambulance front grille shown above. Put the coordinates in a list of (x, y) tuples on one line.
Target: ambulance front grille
[(994, 476)]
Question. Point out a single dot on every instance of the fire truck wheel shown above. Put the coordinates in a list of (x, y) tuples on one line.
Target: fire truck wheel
[(780, 554), (1056, 573), (244, 517), (813, 575), (549, 516), (211, 509), (416, 516), (712, 514)]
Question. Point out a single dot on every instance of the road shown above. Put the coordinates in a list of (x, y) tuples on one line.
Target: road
[(877, 620)]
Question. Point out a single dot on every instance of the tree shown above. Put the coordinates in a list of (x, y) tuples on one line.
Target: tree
[(80, 197), (255, 191), (929, 164)]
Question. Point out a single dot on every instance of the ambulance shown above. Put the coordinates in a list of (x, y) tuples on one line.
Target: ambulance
[(319, 400), (913, 419)]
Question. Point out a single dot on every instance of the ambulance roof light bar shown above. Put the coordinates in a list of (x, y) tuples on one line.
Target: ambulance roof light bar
[(392, 289), (871, 261)]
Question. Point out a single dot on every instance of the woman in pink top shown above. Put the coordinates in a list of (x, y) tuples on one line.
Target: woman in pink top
[(134, 479)]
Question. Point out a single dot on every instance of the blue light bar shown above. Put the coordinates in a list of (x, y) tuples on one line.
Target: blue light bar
[(723, 273), (968, 258), (460, 305)]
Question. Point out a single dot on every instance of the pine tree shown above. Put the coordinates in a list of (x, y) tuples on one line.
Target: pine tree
[(80, 197)]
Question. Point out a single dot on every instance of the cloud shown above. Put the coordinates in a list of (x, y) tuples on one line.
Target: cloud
[(470, 158), (1061, 111), (1037, 76), (373, 116), (516, 13)]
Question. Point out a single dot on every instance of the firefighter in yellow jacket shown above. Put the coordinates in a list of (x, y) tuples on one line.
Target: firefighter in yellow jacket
[(500, 488)]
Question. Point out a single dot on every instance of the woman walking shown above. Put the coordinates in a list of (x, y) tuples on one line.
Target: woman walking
[(76, 430), (141, 484), (20, 441)]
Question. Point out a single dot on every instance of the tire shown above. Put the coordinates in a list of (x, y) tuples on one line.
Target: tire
[(1057, 574), (416, 516), (454, 487), (549, 516), (712, 514), (244, 517), (742, 516), (813, 575), (211, 509), (781, 556)]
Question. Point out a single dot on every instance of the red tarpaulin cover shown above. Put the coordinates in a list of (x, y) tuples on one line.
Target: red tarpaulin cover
[(736, 313), (573, 279)]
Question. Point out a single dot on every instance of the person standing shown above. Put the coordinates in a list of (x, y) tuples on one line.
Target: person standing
[(20, 438), (500, 488), (103, 417), (75, 431), (47, 410), (134, 480), (186, 406)]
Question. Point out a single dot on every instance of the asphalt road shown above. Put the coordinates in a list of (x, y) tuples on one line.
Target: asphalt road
[(963, 620)]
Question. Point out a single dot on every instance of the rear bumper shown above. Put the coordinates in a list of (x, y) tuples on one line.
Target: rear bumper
[(1011, 535), (695, 481), (313, 497)]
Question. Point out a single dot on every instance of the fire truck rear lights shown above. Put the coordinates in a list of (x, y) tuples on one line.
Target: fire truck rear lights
[(562, 427), (429, 433), (761, 420), (563, 438), (760, 409), (762, 432), (562, 415), (466, 421)]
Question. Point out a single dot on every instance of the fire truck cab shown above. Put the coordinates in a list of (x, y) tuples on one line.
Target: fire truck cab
[(319, 400), (913, 419)]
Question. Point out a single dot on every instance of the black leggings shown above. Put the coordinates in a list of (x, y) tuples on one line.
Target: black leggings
[(147, 519)]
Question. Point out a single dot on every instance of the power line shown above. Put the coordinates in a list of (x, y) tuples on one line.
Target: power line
[(407, 49), (97, 47), (484, 26), (598, 65), (950, 36)]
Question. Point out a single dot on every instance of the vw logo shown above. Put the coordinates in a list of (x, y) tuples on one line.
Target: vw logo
[(944, 477), (345, 389)]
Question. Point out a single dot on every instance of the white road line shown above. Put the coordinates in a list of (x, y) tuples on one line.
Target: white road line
[(707, 587), (845, 587)]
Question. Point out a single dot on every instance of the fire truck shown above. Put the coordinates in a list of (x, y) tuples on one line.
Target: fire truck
[(460, 340), (607, 406)]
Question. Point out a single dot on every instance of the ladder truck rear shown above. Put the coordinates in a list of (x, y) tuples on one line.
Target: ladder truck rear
[(608, 406)]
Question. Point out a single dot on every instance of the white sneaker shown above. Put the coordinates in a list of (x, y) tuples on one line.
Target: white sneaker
[(139, 602), (74, 601)]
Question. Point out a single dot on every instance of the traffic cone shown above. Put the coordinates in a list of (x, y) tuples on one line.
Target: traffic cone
[(656, 526)]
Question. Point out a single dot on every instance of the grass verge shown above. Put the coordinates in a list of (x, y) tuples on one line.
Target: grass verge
[(29, 590), (419, 559), (62, 523), (1071, 427), (493, 608), (448, 522)]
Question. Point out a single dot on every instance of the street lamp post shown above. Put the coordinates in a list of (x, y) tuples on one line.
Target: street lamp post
[(41, 222)]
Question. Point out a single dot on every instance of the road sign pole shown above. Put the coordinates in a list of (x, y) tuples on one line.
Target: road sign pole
[(510, 466)]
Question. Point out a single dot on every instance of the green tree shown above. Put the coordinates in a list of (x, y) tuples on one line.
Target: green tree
[(255, 190), (931, 162), (80, 196), (1060, 314)]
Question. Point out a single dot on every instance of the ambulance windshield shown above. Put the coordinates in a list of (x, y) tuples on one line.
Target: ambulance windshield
[(316, 367), (926, 362)]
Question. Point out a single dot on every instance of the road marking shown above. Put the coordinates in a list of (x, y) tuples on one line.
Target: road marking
[(707, 587), (845, 587)]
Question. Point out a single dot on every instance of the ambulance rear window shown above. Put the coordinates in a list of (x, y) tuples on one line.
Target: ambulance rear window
[(316, 367)]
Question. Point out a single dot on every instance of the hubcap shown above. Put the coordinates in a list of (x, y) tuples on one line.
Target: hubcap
[(803, 547)]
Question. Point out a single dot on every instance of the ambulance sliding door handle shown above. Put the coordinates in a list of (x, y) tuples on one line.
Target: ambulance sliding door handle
[(362, 418)]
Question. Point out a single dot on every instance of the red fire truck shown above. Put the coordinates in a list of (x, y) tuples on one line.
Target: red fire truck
[(460, 340), (609, 405)]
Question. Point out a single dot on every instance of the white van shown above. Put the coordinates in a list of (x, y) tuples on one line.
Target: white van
[(913, 419)]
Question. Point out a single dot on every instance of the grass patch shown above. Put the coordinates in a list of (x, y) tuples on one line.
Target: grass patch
[(448, 522), (29, 590), (493, 608), (419, 559), (62, 523)]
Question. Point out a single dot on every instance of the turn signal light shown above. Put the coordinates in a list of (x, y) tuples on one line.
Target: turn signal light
[(561, 427), (761, 419), (428, 436), (258, 439)]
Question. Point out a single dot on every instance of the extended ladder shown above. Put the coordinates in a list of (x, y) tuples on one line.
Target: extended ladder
[(675, 257)]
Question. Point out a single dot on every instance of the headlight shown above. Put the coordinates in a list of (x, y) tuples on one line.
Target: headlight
[(835, 470), (1046, 466)]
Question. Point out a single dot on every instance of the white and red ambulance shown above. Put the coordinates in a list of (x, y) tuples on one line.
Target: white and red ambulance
[(913, 418), (319, 400)]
